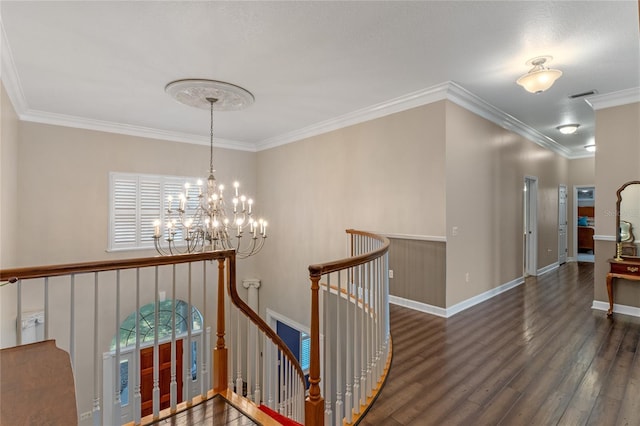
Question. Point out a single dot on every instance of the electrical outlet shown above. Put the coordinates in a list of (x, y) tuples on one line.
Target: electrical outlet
[(390, 273), (454, 231), (466, 277), (85, 416)]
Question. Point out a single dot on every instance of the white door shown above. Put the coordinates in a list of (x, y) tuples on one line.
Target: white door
[(530, 226), (562, 225)]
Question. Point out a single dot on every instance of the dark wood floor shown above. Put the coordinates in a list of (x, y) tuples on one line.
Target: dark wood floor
[(537, 354)]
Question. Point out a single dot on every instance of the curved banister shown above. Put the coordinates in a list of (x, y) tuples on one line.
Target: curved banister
[(371, 286), (349, 262), (261, 324)]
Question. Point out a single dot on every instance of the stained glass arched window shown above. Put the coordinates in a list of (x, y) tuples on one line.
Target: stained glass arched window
[(147, 323)]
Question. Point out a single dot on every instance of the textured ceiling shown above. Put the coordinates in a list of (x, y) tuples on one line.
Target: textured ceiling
[(309, 64)]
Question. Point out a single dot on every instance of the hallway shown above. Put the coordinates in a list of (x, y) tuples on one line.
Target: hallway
[(537, 354)]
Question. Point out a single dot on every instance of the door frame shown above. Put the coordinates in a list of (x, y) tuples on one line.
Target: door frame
[(566, 230), (574, 226), (530, 226)]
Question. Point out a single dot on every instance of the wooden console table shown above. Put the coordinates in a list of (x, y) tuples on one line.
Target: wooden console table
[(628, 269)]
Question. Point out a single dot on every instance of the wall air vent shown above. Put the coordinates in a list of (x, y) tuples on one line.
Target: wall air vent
[(583, 94)]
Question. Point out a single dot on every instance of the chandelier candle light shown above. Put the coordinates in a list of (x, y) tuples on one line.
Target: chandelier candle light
[(198, 220)]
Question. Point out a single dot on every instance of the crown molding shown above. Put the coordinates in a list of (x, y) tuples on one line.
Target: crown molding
[(8, 74), (402, 103), (467, 100), (130, 130), (449, 90), (614, 99)]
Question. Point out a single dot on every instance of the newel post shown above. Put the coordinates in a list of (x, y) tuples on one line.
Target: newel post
[(220, 351), (314, 405)]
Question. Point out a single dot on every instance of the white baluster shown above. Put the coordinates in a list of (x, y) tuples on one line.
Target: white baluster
[(137, 395), (72, 320), (339, 405), (46, 308), (239, 384), (173, 386), (204, 375), (188, 378), (348, 395), (95, 409), (156, 357), (117, 413)]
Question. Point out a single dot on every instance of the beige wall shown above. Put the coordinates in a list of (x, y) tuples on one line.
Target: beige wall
[(385, 175), (486, 167), (8, 212), (64, 183), (617, 161)]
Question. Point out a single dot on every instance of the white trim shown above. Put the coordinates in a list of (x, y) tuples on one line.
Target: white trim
[(482, 297), (402, 103), (608, 100), (618, 309), (273, 316), (548, 268), (464, 98), (566, 224), (448, 90), (434, 238), (458, 307), (605, 238), (8, 74), (128, 129), (418, 306), (574, 213)]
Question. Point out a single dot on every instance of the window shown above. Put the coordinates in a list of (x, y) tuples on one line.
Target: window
[(147, 324), (124, 382), (136, 202), (305, 352)]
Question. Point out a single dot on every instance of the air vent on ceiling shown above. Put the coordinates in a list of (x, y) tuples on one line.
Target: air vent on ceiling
[(583, 94)]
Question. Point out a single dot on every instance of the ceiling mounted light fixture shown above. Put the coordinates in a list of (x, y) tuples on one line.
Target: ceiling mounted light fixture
[(539, 78), (568, 129), (590, 147), (200, 219)]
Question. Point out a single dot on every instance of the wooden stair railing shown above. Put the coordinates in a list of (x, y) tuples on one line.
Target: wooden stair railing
[(74, 280), (354, 316)]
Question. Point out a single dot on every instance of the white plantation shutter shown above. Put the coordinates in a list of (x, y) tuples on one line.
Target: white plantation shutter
[(124, 212), (150, 208), (137, 201)]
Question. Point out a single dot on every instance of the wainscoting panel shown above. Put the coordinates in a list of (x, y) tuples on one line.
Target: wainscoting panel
[(419, 270)]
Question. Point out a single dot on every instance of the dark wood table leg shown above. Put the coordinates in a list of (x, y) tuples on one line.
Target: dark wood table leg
[(610, 293)]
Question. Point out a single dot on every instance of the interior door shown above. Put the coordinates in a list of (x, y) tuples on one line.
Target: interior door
[(530, 226), (146, 376), (562, 225)]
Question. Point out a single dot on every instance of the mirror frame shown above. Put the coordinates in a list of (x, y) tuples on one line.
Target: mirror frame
[(619, 200)]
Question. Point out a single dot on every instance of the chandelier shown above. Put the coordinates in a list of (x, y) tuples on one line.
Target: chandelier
[(200, 219)]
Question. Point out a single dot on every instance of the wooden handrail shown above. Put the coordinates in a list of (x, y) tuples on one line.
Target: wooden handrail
[(109, 265), (349, 262), (259, 322), (314, 407)]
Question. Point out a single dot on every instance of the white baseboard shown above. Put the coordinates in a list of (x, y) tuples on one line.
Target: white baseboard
[(458, 307), (418, 306), (617, 309), (548, 268), (466, 304)]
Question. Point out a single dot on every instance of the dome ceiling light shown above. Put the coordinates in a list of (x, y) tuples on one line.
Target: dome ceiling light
[(539, 78), (568, 129)]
